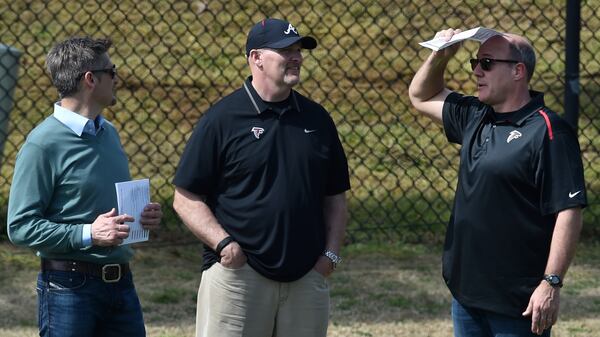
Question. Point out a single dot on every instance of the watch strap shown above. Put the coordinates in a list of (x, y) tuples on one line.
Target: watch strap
[(222, 244), (333, 257)]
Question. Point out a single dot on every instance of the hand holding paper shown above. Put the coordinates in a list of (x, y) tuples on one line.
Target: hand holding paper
[(151, 216), (479, 34), (132, 197), (109, 229)]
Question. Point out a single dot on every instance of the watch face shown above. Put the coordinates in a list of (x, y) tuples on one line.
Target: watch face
[(553, 279)]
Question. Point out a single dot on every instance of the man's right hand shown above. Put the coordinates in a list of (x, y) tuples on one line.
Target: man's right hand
[(232, 256), (109, 229), (427, 90), (448, 52)]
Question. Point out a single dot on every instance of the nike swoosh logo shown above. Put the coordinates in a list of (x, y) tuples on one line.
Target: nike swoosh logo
[(309, 131), (571, 195)]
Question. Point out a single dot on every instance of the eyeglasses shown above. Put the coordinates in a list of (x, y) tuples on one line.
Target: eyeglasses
[(486, 63)]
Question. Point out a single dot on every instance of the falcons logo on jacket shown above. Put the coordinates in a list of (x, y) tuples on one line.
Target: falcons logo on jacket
[(513, 135), (257, 131)]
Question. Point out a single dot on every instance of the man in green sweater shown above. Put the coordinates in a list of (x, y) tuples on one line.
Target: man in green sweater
[(63, 199)]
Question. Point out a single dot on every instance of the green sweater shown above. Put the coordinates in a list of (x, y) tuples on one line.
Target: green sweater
[(61, 182)]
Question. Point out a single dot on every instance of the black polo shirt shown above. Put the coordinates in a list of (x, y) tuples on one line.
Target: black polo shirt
[(517, 171), (265, 169)]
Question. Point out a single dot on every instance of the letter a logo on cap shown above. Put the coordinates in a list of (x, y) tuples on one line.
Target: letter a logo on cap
[(290, 29)]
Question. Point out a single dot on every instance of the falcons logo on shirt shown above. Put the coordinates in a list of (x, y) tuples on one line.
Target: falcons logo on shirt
[(257, 131), (513, 135)]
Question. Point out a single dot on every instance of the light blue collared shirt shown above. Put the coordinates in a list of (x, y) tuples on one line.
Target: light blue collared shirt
[(77, 122), (79, 125)]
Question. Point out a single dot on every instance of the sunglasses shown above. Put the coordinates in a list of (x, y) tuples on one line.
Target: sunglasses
[(486, 63), (111, 71)]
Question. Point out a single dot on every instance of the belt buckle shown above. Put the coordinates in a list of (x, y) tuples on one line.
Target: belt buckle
[(107, 268)]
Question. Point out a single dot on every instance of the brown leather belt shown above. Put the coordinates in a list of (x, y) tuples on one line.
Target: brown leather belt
[(109, 273)]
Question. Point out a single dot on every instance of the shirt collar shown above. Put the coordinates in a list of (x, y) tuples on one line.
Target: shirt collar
[(77, 122), (259, 105), (518, 117)]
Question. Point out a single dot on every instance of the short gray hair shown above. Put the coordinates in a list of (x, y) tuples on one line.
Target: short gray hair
[(68, 60), (523, 52)]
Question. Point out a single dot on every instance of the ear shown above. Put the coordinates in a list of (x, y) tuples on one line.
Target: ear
[(256, 58), (520, 72), (88, 80)]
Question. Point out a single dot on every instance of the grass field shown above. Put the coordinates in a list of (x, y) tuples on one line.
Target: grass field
[(176, 58), (379, 291)]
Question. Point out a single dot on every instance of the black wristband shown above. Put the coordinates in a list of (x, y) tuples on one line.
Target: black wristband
[(222, 245)]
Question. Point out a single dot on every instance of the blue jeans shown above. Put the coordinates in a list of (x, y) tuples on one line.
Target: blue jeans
[(469, 322), (78, 305)]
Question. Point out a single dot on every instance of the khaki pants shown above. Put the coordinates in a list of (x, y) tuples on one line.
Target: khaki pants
[(243, 303)]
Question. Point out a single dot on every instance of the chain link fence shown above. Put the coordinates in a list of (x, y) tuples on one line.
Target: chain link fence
[(176, 58)]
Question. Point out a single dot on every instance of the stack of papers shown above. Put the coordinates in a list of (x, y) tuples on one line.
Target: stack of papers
[(132, 197), (479, 34)]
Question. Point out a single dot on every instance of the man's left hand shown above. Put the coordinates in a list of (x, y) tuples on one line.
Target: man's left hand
[(543, 307), (324, 266), (151, 216)]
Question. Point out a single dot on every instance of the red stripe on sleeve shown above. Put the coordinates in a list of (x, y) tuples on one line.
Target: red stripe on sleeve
[(543, 113)]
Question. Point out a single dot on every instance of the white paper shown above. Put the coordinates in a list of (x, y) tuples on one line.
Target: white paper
[(132, 197), (479, 34)]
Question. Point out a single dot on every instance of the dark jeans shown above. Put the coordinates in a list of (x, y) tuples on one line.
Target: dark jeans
[(470, 322), (79, 305)]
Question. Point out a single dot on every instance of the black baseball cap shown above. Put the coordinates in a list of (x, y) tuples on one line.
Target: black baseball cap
[(276, 34)]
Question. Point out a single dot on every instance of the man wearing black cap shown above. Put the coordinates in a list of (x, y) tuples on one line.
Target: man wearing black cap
[(262, 184)]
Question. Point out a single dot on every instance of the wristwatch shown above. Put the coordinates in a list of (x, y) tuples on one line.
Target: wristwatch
[(335, 259), (554, 280)]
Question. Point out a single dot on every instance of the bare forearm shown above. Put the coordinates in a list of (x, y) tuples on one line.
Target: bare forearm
[(198, 217), (564, 240), (336, 218), (427, 90), (545, 301), (429, 79)]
